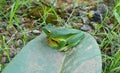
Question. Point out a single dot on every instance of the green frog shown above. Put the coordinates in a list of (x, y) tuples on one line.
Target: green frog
[(62, 38)]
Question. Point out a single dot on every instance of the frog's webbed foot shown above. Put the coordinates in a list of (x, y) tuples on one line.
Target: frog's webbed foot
[(64, 49)]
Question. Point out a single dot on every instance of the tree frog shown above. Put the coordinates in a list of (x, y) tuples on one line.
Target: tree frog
[(62, 38)]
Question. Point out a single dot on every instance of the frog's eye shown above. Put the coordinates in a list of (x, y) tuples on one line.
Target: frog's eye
[(49, 31)]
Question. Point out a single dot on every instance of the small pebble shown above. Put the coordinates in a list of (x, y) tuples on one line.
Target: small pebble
[(19, 42), (4, 60), (36, 31), (98, 39), (85, 28)]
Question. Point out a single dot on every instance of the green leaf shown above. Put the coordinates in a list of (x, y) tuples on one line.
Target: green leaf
[(38, 57)]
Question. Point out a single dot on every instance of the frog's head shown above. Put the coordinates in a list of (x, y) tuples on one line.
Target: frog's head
[(48, 29)]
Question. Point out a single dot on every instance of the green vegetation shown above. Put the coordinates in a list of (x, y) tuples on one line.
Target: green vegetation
[(12, 12)]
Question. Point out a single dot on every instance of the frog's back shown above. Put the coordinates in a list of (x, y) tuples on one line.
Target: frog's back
[(61, 31)]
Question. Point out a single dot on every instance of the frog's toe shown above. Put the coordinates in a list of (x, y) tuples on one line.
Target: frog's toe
[(63, 49)]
